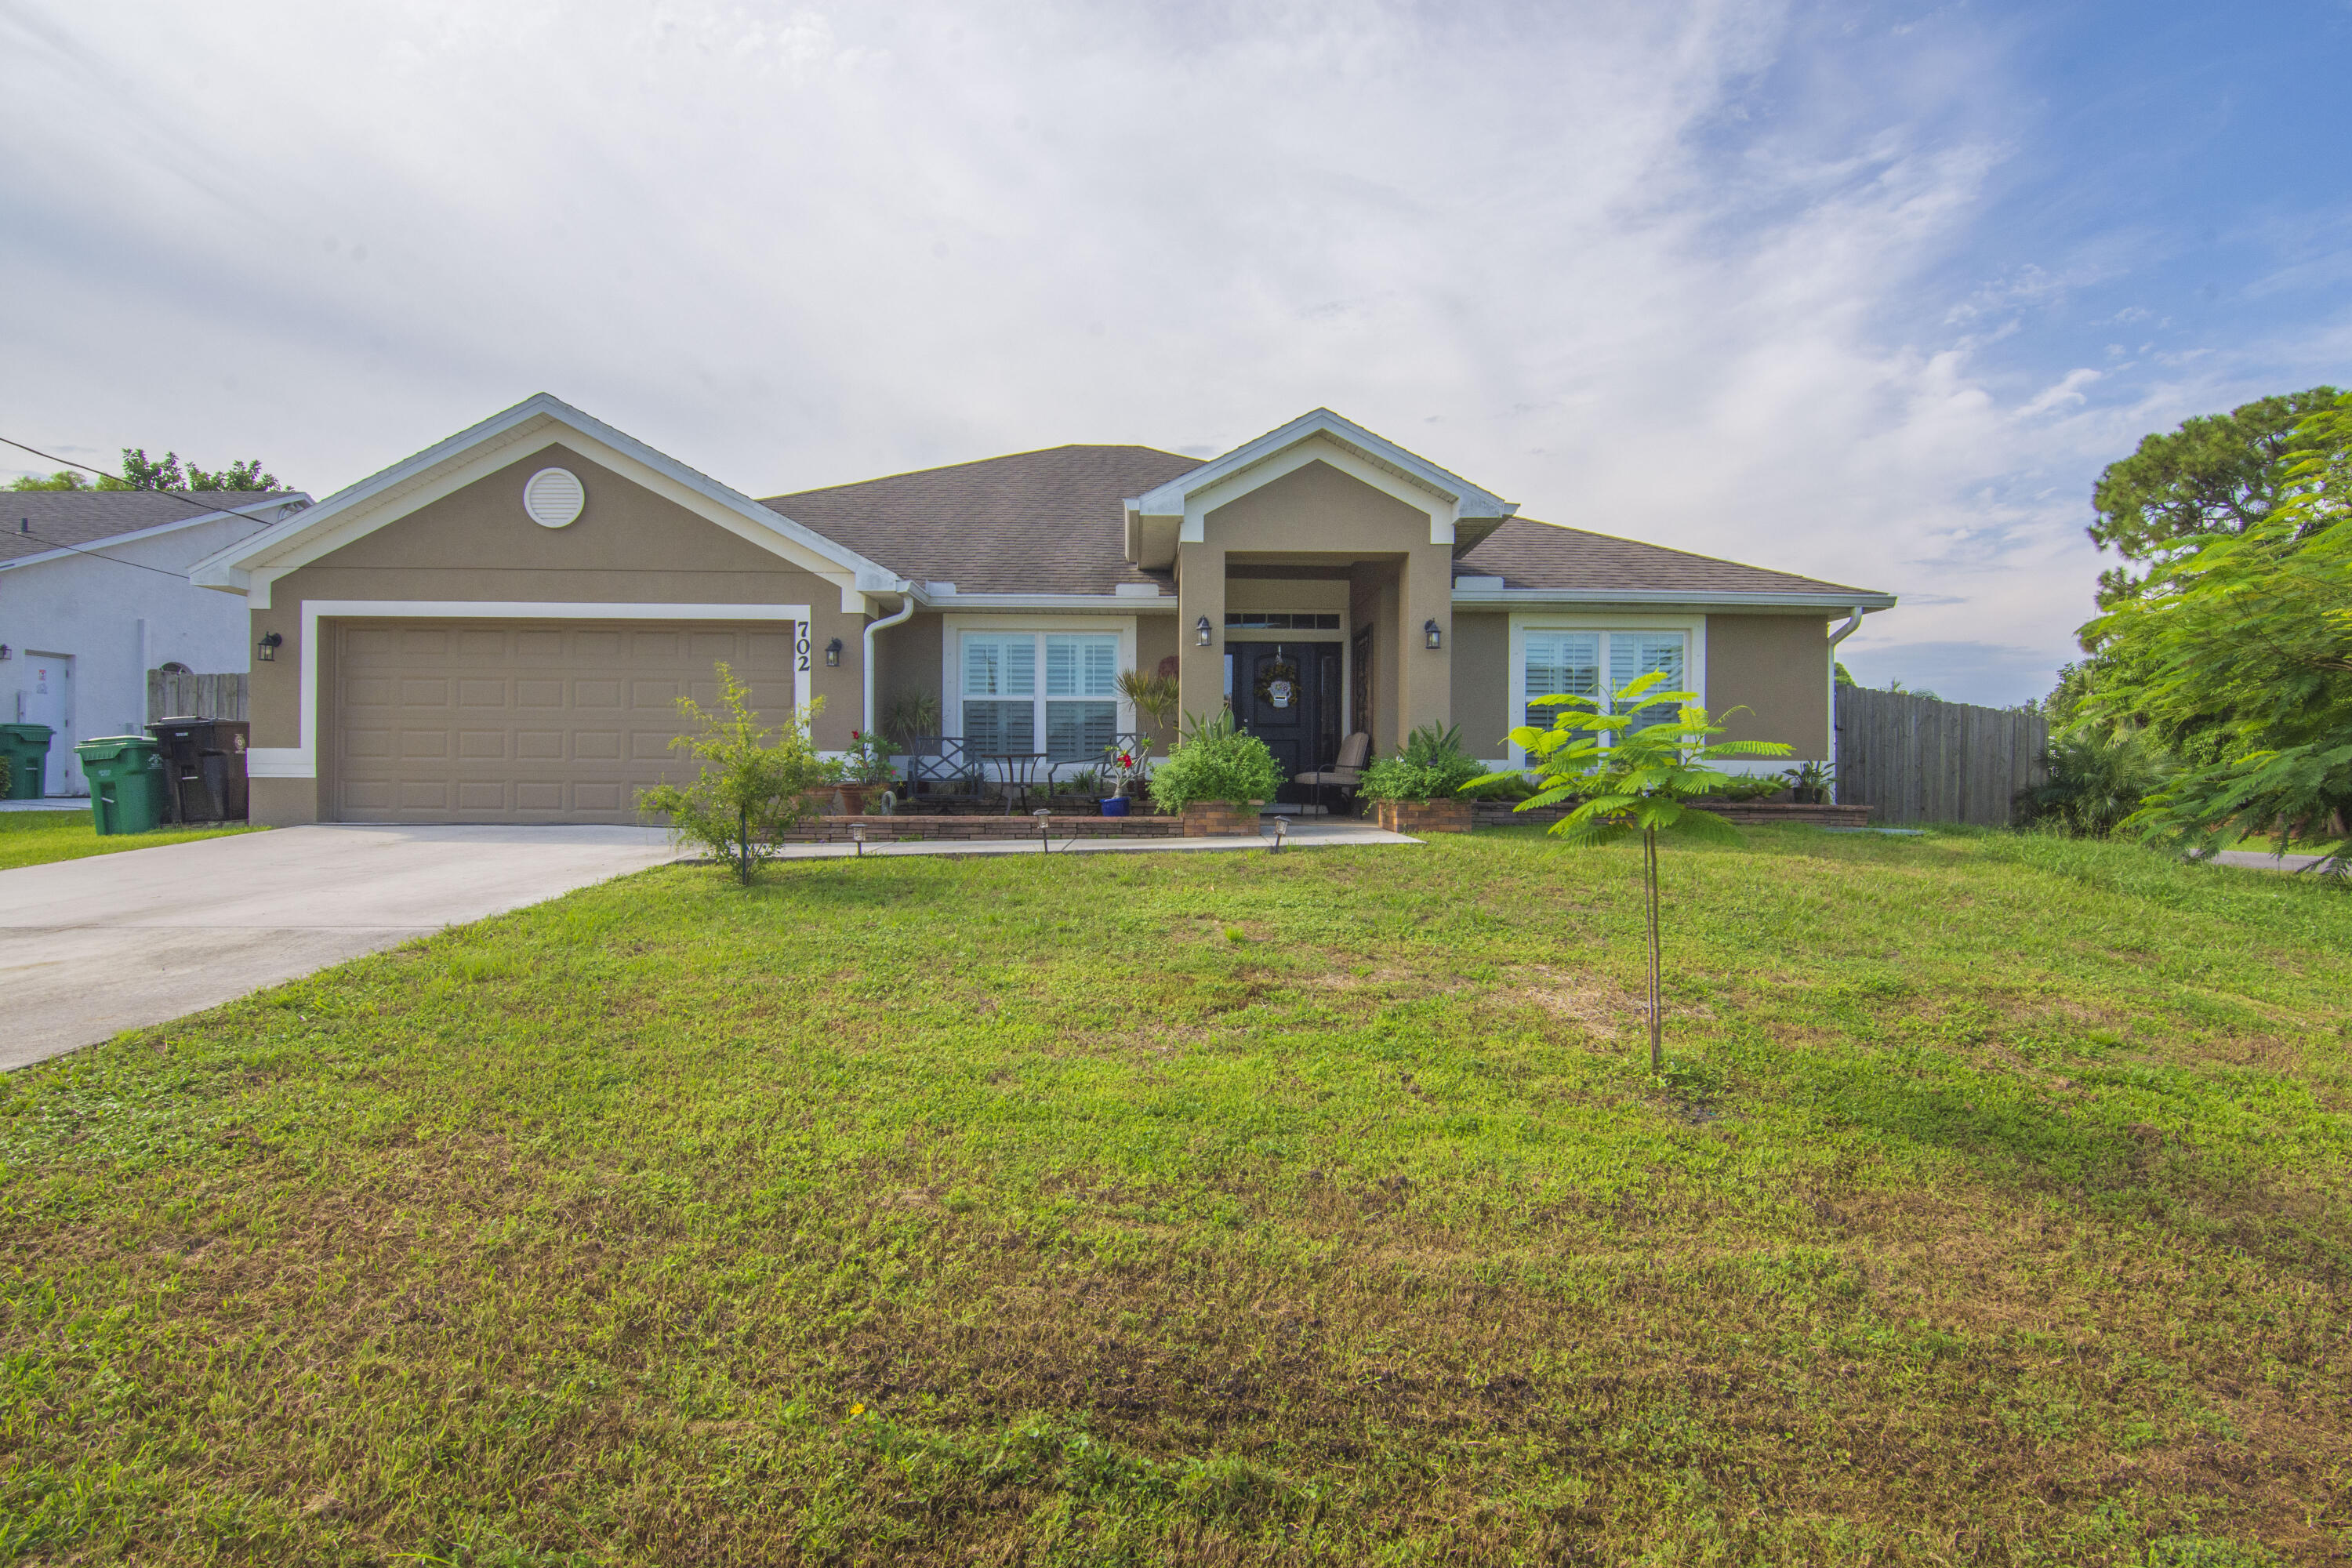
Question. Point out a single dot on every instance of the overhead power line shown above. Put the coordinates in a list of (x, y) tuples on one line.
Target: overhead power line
[(77, 550), (185, 498)]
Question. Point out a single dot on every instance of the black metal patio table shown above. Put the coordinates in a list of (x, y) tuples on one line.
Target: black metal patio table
[(1018, 772)]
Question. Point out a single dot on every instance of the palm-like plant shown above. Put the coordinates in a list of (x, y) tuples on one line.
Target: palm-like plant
[(1632, 770)]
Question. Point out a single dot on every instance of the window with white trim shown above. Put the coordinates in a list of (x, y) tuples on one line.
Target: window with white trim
[(1071, 714), (1573, 664)]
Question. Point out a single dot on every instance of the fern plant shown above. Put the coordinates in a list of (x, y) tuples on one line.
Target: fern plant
[(1633, 771)]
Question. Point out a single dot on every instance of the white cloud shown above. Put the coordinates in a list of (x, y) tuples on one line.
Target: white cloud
[(798, 246)]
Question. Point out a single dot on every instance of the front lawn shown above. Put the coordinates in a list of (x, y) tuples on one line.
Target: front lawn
[(31, 837), (1219, 1208)]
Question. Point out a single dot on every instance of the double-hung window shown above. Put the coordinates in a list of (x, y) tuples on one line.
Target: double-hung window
[(1069, 710), (1597, 663)]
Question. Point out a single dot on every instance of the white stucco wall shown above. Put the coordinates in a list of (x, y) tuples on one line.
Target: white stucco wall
[(114, 623)]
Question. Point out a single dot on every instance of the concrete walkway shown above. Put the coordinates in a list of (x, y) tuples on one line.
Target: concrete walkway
[(2263, 860), (107, 943)]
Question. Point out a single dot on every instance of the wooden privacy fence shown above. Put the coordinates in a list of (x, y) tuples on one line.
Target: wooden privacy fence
[(1914, 759), (181, 694)]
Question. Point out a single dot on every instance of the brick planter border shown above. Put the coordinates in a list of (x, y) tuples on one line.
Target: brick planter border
[(1219, 819), (907, 828), (1424, 815)]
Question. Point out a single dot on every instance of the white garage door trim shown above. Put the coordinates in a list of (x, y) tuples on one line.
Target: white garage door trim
[(301, 762)]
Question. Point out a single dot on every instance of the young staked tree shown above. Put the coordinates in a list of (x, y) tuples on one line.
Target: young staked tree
[(1633, 769), (753, 780)]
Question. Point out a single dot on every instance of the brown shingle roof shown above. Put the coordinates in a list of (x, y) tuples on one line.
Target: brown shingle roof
[(82, 518), (1034, 523), (1529, 554), (1051, 522)]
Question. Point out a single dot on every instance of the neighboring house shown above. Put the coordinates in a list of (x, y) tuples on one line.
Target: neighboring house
[(496, 628), (94, 592)]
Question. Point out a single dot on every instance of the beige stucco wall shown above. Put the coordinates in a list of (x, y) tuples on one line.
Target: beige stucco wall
[(1155, 639), (907, 660), (1778, 667), (1313, 594), (628, 546), (1482, 682), (1316, 510)]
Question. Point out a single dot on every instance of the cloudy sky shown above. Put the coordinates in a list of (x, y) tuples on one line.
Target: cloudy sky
[(1869, 291)]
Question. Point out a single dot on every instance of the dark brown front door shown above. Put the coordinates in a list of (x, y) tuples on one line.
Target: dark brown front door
[(1285, 693)]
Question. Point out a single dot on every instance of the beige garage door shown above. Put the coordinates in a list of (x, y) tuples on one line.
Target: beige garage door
[(548, 721)]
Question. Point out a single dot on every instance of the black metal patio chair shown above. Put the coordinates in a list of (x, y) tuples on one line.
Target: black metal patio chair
[(937, 767)]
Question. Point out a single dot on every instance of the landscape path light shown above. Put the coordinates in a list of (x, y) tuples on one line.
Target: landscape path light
[(857, 836), (1045, 838)]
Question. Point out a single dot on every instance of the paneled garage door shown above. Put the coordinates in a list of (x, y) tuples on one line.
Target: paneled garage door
[(548, 721)]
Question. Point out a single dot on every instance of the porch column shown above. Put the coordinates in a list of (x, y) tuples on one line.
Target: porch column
[(1426, 690), (1199, 591)]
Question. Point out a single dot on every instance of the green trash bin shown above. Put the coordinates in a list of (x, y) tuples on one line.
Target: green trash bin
[(127, 782), (23, 760)]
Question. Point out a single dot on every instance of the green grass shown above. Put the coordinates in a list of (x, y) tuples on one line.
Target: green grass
[(1315, 1207), (31, 837)]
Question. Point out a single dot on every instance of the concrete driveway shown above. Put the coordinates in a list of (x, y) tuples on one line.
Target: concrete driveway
[(93, 946)]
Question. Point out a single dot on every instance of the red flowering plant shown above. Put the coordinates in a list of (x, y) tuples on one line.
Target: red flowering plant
[(867, 761), (1130, 770)]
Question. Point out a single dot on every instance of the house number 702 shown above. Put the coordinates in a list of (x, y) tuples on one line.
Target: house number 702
[(800, 643)]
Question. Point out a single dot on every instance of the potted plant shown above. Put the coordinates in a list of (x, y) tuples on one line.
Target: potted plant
[(1419, 789), (1809, 783), (1130, 776), (1217, 777), (864, 768)]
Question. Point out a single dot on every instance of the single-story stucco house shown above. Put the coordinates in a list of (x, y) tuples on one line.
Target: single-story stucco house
[(496, 628), (94, 593)]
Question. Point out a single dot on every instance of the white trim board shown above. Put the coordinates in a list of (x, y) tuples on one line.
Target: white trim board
[(301, 761)]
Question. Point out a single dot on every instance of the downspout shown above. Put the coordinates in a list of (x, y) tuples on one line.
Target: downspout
[(865, 670), (1852, 622)]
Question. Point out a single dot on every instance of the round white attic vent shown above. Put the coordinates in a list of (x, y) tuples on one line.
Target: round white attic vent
[(553, 497)]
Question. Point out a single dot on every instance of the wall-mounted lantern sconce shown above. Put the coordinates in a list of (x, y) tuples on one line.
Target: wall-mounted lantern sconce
[(1431, 634), (7, 652), (833, 654), (1202, 631), (270, 643)]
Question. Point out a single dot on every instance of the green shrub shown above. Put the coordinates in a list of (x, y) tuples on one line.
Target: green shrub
[(2096, 778), (1215, 761), (749, 788), (1433, 766)]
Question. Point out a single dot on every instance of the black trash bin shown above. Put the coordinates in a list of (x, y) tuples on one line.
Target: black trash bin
[(204, 765)]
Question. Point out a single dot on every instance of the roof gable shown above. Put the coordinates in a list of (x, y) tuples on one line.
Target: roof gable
[(1320, 434), (250, 565)]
